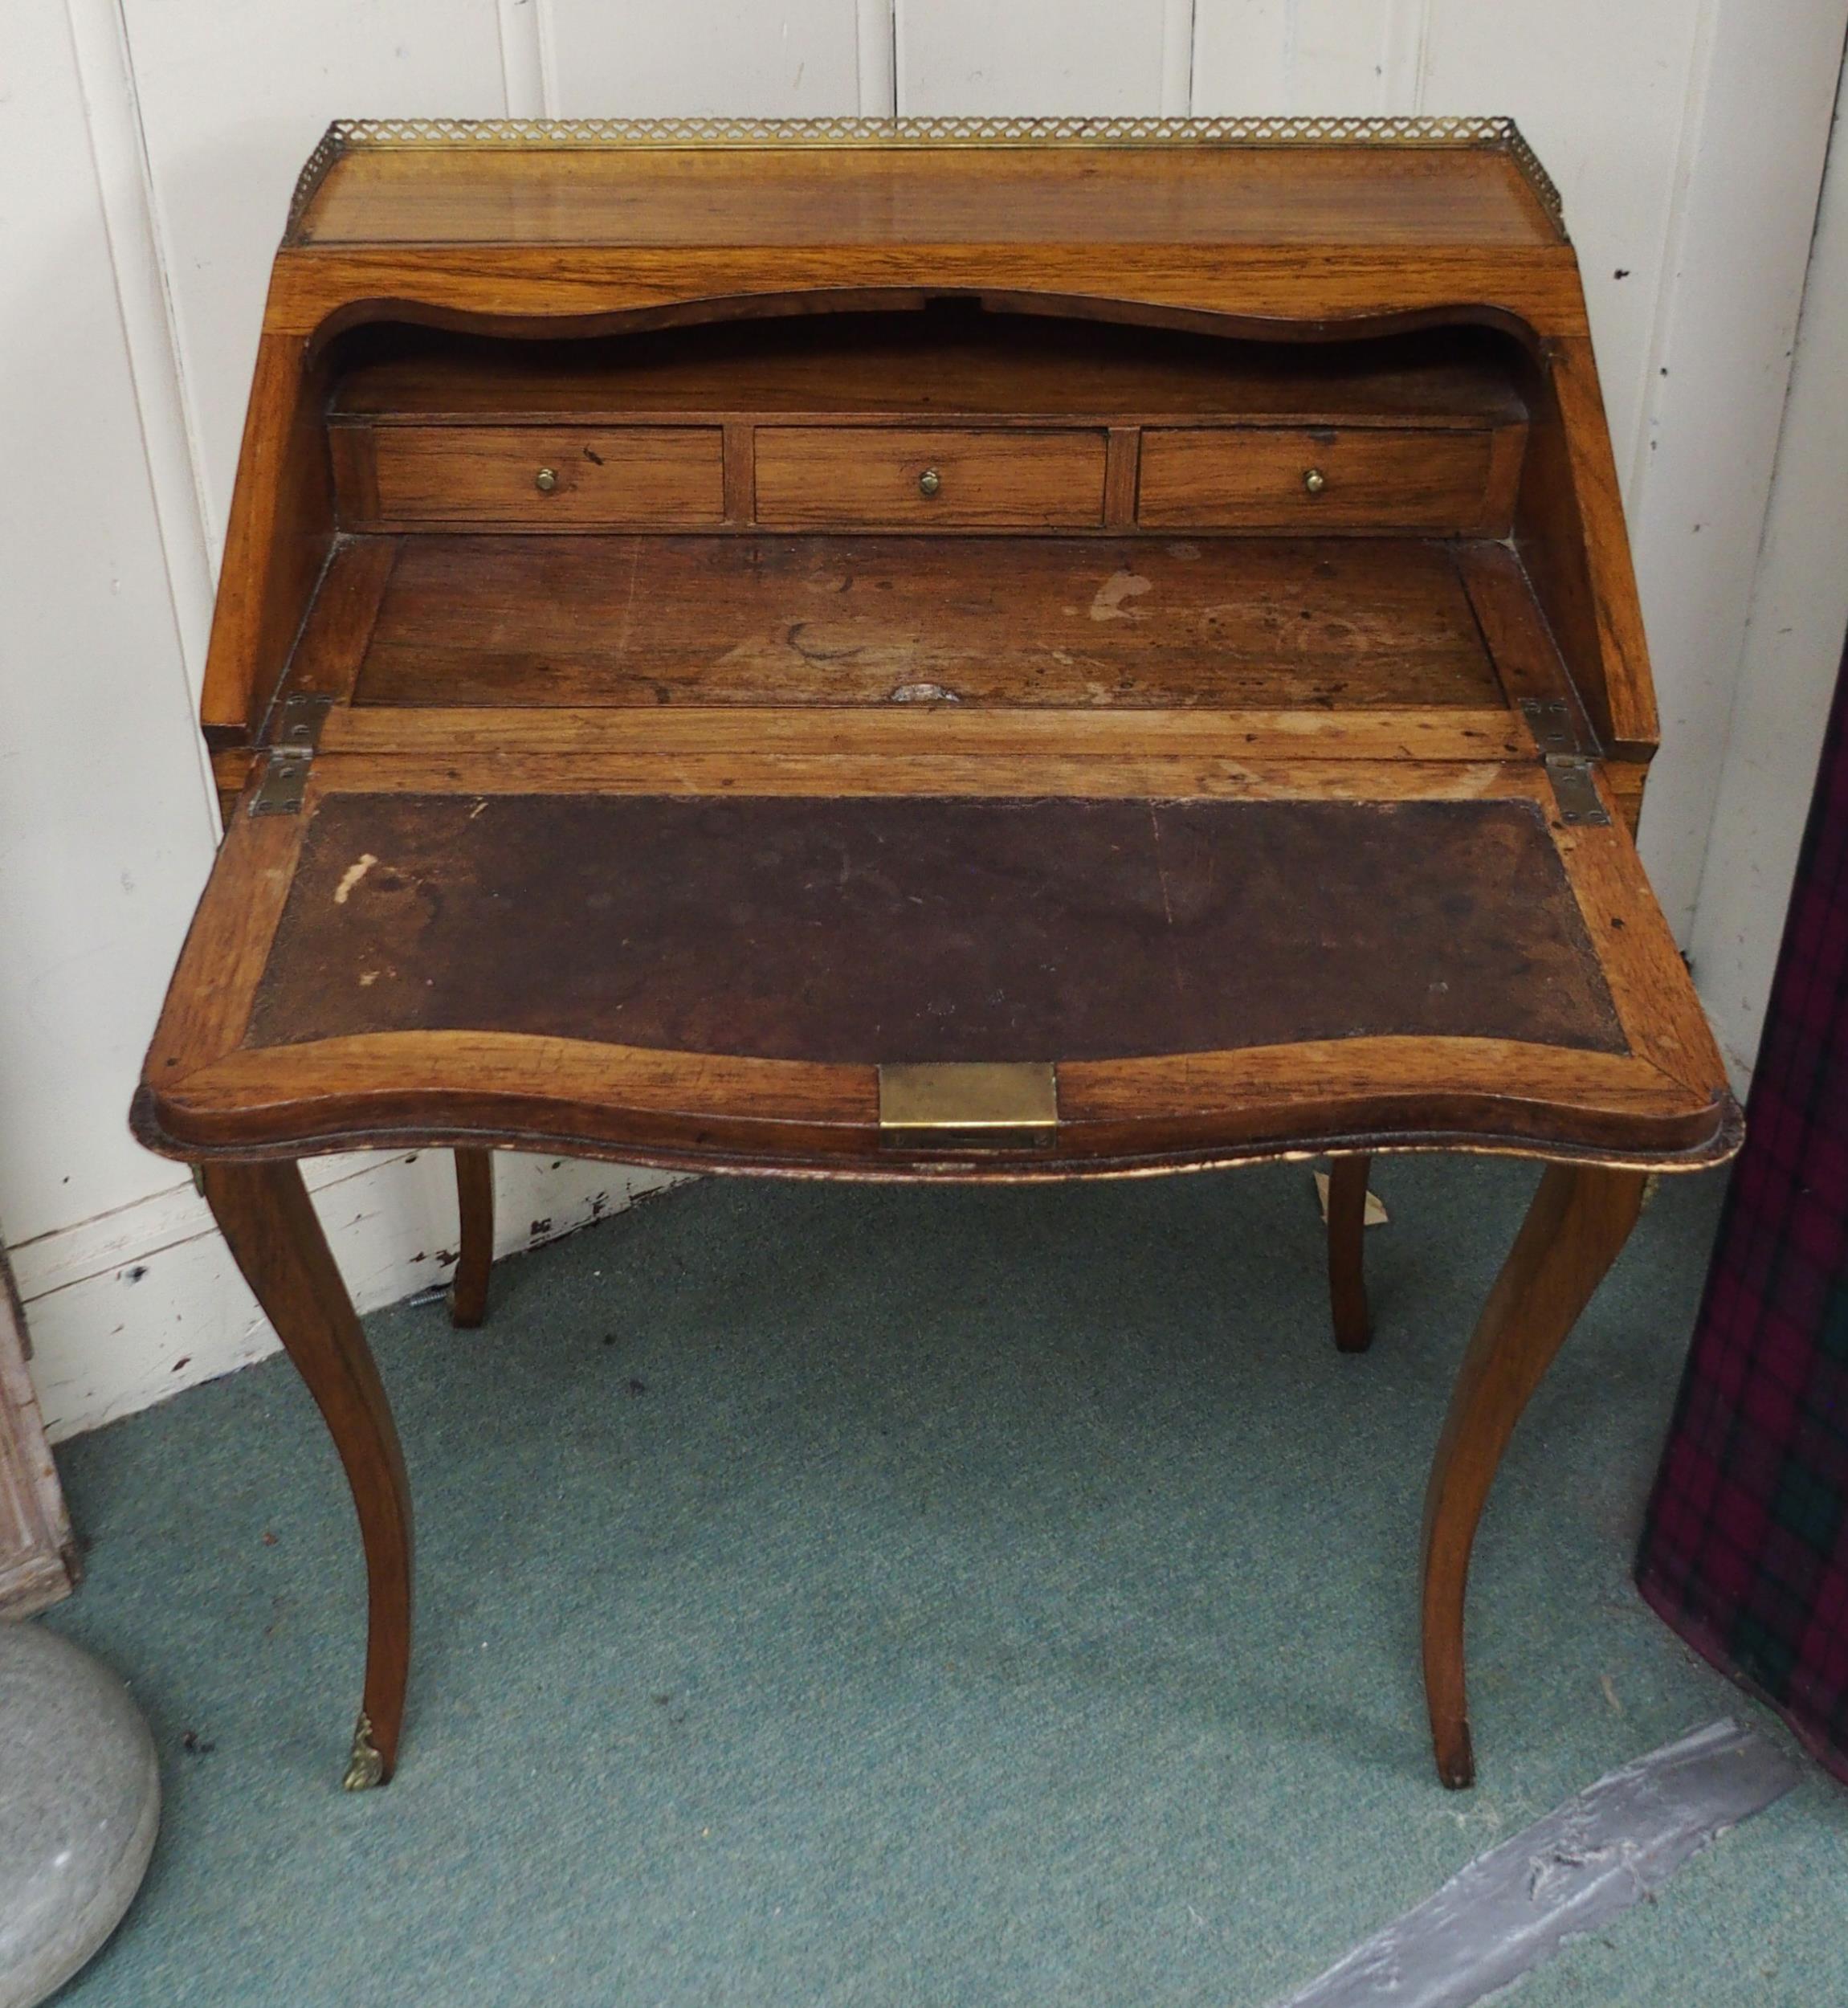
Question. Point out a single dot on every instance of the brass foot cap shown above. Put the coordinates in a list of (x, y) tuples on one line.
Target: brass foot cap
[(364, 1767)]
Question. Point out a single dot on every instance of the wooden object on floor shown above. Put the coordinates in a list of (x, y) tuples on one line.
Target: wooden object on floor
[(946, 652), (39, 1562)]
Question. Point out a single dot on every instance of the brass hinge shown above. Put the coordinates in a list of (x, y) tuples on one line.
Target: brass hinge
[(1575, 789), (289, 756), (968, 1105), (1550, 722)]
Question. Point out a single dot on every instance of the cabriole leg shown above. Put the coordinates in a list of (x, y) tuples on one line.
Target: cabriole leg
[(1346, 1262), (264, 1213), (1579, 1219), (475, 1200)]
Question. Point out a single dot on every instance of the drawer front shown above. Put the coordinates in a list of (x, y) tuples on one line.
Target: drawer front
[(891, 475), (539, 476), (1262, 478)]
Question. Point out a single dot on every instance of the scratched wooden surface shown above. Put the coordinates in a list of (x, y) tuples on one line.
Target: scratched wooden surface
[(1029, 621)]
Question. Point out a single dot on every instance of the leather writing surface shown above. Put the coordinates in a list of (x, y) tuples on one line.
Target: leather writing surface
[(861, 930)]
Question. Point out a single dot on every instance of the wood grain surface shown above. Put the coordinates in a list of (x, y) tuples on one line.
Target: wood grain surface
[(1576, 1226), (1347, 1221), (269, 1223), (825, 477), (1258, 478), (475, 1238), (951, 359), (866, 620), (1397, 196), (539, 476)]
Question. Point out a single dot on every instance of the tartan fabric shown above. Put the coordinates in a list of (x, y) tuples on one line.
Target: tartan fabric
[(1745, 1548)]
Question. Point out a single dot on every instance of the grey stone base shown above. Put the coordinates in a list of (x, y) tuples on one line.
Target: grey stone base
[(80, 1803)]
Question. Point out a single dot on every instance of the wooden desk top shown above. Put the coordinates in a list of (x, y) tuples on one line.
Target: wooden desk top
[(1269, 217), (684, 184)]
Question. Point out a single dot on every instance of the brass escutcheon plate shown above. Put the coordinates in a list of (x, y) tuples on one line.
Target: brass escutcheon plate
[(968, 1105)]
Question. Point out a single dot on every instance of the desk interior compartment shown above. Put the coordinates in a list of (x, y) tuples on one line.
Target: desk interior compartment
[(1027, 623), (954, 508), (1008, 419)]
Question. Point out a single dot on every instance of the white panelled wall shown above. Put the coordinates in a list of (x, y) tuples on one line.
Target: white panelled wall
[(147, 150)]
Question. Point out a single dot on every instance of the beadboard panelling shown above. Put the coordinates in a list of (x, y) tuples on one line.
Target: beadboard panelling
[(1752, 152), (873, 46), (1300, 55), (1792, 647), (113, 115), (1601, 91), (232, 99), (105, 834), (631, 59), (522, 59), (969, 57)]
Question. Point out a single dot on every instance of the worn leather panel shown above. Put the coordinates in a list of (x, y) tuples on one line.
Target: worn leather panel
[(881, 930)]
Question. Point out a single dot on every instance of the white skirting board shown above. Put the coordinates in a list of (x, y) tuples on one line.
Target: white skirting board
[(138, 1304)]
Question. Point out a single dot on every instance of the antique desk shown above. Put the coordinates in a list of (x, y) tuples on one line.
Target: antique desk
[(930, 651)]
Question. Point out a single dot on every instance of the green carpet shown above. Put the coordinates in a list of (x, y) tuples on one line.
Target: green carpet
[(907, 1597)]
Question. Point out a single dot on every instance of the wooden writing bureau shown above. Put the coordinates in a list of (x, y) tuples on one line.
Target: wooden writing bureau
[(930, 652)]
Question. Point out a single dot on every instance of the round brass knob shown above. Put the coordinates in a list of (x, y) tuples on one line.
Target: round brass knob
[(929, 482), (545, 480), (1314, 481)]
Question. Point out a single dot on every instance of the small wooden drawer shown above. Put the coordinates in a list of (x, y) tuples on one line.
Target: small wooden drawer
[(846, 476), (1262, 478), (537, 476)]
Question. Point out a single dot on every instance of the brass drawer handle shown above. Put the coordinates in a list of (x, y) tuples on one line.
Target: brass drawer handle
[(929, 482), (545, 480), (1314, 481)]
